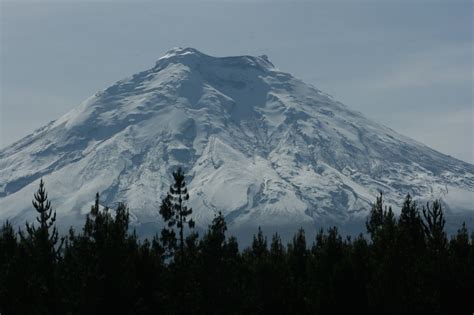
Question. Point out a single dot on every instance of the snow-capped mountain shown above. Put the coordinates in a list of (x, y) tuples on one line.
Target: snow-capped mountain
[(257, 144)]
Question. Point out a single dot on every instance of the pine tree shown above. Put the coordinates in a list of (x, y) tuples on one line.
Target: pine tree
[(297, 264), (411, 224), (327, 271), (214, 240), (99, 264), (8, 244), (168, 235), (40, 248), (10, 286), (278, 278), (277, 250), (44, 236), (433, 225), (384, 289), (410, 252), (214, 270), (175, 212), (259, 244), (298, 255), (375, 221), (436, 267), (461, 280), (360, 255)]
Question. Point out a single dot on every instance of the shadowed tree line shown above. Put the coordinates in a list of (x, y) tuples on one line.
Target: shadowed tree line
[(403, 265)]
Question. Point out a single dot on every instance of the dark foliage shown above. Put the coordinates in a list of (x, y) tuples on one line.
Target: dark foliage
[(175, 213), (404, 265)]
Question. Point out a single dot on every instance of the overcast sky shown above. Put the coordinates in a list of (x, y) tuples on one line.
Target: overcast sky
[(406, 64)]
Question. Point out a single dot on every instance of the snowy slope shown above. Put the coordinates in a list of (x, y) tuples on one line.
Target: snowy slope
[(258, 144)]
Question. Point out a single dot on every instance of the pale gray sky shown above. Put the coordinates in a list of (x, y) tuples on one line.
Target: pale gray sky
[(406, 64)]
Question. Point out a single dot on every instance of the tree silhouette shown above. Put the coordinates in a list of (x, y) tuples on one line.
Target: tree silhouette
[(174, 211), (433, 225), (46, 218), (407, 266), (40, 249)]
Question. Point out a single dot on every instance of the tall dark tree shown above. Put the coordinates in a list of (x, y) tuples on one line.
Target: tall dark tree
[(383, 288), (461, 280), (168, 234), (40, 246), (46, 234), (214, 269), (436, 267), (410, 253), (256, 275), (100, 264), (381, 222), (411, 224), (8, 243), (11, 288), (360, 255), (297, 264), (259, 244), (433, 225), (175, 212), (298, 255), (278, 279)]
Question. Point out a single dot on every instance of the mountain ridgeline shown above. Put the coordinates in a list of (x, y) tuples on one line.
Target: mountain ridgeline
[(259, 146)]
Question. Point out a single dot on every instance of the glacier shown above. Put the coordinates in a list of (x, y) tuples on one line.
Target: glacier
[(257, 144)]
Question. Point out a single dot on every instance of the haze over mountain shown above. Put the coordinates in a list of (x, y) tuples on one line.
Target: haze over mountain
[(256, 143)]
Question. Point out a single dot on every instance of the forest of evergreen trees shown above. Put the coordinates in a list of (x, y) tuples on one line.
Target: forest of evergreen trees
[(402, 265)]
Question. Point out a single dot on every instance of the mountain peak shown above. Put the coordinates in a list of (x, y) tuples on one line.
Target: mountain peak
[(180, 51), (191, 56), (259, 145)]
